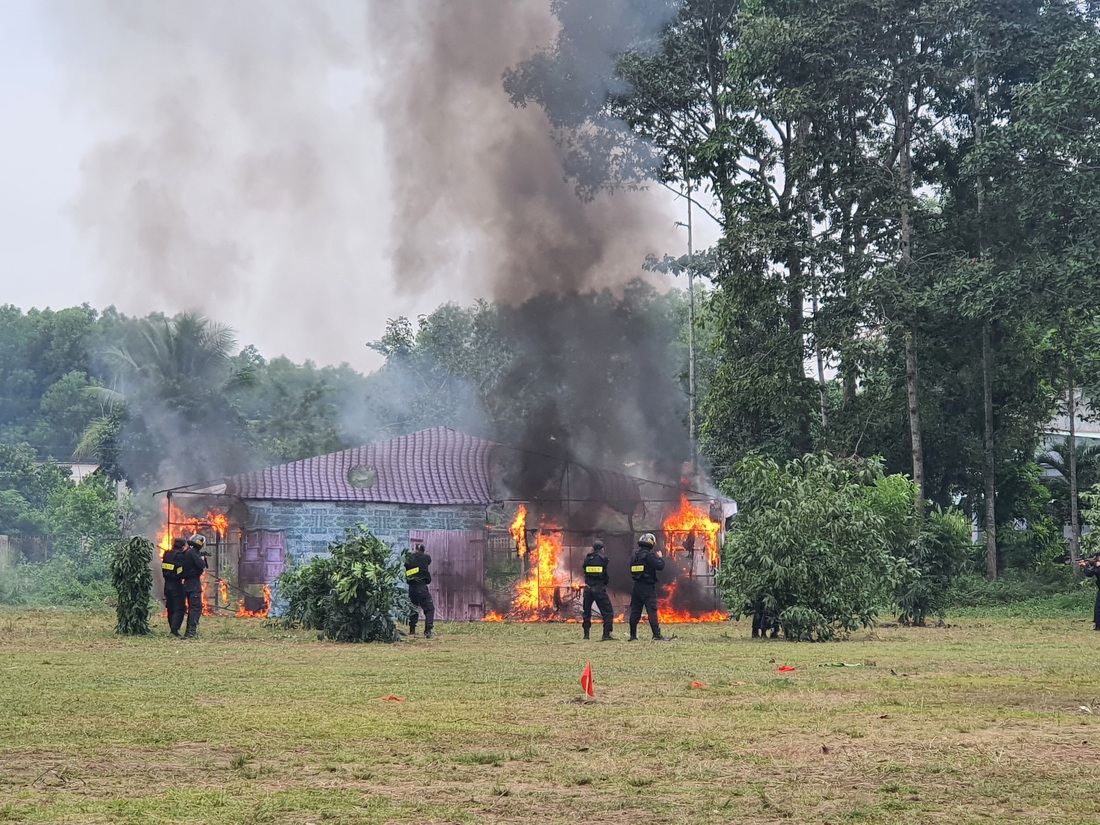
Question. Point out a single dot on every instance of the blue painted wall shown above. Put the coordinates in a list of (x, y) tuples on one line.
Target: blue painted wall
[(311, 525)]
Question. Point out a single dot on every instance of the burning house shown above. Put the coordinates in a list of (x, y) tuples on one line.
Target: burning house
[(507, 529)]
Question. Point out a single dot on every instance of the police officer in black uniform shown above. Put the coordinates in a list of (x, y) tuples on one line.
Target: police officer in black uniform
[(419, 577), (644, 566), (194, 564), (171, 566), (595, 590), (1092, 570)]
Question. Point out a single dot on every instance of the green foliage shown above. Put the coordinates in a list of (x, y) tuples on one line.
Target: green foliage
[(1090, 541), (132, 579), (936, 556), (354, 594), (809, 545), (78, 581), (1017, 587)]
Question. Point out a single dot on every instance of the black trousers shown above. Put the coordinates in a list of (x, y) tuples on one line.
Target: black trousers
[(175, 599), (421, 598), (644, 595), (603, 602), (1096, 610), (762, 622), (192, 588)]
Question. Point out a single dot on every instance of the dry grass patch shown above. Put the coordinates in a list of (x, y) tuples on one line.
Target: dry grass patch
[(252, 725)]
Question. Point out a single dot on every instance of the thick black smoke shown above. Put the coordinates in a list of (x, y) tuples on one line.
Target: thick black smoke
[(303, 171), (480, 191)]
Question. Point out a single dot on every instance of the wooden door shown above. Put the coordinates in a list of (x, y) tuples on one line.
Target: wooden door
[(263, 557), (458, 572)]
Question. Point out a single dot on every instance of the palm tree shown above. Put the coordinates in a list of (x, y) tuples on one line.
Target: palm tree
[(167, 416), (1055, 463)]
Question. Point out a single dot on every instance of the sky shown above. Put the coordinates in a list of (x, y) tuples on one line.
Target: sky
[(260, 163)]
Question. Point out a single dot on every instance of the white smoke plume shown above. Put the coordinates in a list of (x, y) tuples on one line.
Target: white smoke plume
[(302, 171)]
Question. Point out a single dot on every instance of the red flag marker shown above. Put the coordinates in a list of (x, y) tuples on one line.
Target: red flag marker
[(586, 680), (785, 668), (391, 698), (698, 685)]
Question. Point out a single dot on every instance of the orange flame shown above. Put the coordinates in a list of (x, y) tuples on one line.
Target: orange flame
[(519, 530), (539, 595), (687, 526), (178, 524), (673, 615), (255, 614)]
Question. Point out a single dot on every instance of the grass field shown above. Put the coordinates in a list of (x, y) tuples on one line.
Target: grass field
[(976, 722)]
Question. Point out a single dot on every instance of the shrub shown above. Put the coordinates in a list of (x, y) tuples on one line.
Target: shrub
[(133, 580), (936, 556), (809, 544), (354, 594)]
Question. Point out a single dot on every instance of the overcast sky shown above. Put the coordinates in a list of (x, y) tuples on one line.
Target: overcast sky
[(229, 158)]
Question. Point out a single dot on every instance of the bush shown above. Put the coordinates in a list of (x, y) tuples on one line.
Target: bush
[(355, 594), (132, 578), (973, 590), (809, 544), (77, 581), (936, 556)]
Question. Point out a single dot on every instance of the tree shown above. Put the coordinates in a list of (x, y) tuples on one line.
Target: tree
[(169, 415), (809, 544)]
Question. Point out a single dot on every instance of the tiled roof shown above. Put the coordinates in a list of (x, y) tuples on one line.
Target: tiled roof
[(436, 466)]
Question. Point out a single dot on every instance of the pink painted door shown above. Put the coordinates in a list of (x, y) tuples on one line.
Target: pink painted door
[(458, 572), (263, 557)]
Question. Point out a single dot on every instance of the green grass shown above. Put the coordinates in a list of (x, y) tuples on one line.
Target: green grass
[(974, 722)]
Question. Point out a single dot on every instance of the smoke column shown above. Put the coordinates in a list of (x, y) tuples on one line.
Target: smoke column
[(480, 193), (303, 171), (478, 184), (238, 173)]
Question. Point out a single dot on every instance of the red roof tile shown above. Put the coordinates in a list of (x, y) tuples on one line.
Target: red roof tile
[(436, 466)]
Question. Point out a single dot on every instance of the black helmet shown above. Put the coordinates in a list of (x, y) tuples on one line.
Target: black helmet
[(197, 541), (647, 540), (597, 544), (178, 544)]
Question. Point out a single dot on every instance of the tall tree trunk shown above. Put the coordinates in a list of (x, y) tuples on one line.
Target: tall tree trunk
[(990, 464), (914, 419), (692, 395), (1071, 445), (904, 132), (989, 458)]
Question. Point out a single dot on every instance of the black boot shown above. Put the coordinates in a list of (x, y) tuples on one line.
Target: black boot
[(607, 637), (428, 634), (586, 633), (412, 629)]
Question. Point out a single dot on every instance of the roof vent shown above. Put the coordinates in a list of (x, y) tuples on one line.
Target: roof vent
[(363, 476)]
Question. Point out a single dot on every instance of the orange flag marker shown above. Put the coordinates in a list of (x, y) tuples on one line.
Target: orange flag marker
[(698, 685), (586, 680)]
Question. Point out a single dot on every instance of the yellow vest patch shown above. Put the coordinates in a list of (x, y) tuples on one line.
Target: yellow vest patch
[(412, 571), (637, 568), (593, 570)]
